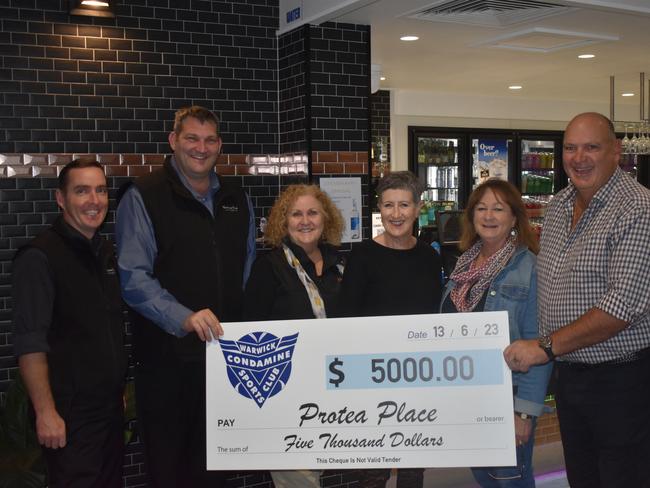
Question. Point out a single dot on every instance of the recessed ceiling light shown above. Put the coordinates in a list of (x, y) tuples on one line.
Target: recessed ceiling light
[(382, 78), (515, 87), (627, 94), (409, 38), (586, 56)]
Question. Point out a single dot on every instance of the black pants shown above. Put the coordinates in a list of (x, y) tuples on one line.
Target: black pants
[(94, 453), (603, 413), (170, 402)]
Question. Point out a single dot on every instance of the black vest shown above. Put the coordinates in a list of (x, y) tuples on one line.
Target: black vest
[(87, 360), (200, 258), (292, 301)]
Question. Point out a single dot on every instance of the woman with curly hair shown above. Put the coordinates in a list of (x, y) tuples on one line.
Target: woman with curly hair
[(300, 277)]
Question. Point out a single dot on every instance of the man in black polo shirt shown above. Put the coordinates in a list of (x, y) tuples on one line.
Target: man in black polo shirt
[(68, 335), (186, 242)]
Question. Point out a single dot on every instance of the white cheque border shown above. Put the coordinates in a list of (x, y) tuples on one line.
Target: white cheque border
[(318, 421)]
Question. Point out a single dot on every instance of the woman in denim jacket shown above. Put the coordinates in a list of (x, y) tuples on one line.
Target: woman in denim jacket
[(497, 272)]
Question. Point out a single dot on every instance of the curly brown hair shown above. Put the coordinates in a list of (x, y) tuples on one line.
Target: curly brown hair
[(276, 228), (508, 194)]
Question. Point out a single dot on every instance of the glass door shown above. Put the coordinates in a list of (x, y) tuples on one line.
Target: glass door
[(438, 169), (539, 163), (538, 168), (438, 157)]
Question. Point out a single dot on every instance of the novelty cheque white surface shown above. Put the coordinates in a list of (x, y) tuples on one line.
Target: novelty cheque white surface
[(368, 392)]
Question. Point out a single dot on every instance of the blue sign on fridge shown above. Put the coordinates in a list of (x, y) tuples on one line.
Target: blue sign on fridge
[(493, 159)]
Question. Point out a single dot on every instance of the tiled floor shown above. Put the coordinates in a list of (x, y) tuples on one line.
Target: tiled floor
[(549, 471), (553, 480)]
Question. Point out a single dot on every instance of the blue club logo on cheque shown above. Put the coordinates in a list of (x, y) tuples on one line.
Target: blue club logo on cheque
[(259, 364)]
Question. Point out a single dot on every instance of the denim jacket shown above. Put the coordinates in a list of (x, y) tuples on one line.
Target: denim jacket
[(514, 290)]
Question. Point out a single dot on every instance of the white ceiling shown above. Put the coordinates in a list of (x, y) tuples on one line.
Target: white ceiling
[(453, 58)]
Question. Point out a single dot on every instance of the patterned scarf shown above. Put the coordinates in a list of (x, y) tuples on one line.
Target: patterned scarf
[(317, 305), (471, 282)]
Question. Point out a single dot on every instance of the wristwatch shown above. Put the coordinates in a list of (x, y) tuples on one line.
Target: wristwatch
[(523, 416), (546, 343)]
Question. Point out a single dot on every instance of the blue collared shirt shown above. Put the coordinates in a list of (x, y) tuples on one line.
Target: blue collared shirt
[(137, 251)]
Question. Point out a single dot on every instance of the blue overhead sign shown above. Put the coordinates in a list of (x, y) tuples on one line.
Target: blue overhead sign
[(293, 15)]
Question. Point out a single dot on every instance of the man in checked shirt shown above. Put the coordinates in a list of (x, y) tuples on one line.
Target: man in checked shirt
[(594, 311)]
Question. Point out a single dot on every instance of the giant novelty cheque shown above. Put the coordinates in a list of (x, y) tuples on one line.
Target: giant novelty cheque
[(368, 392)]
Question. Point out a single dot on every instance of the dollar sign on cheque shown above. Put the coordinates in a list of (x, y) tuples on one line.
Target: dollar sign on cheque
[(334, 369)]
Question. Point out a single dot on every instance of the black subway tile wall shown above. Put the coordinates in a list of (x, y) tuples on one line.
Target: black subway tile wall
[(339, 74), (380, 116), (73, 84), (333, 60), (109, 87), (293, 65)]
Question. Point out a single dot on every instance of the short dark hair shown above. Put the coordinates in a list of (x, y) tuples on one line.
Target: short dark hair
[(197, 112), (400, 180), (76, 164)]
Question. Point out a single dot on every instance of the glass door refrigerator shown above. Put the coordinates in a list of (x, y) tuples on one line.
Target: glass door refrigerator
[(451, 162), (438, 160), (539, 172)]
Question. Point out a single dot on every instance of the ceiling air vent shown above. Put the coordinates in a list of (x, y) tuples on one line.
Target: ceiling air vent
[(488, 13), (542, 40)]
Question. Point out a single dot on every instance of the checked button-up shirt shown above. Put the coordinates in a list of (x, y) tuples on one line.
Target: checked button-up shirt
[(603, 262)]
